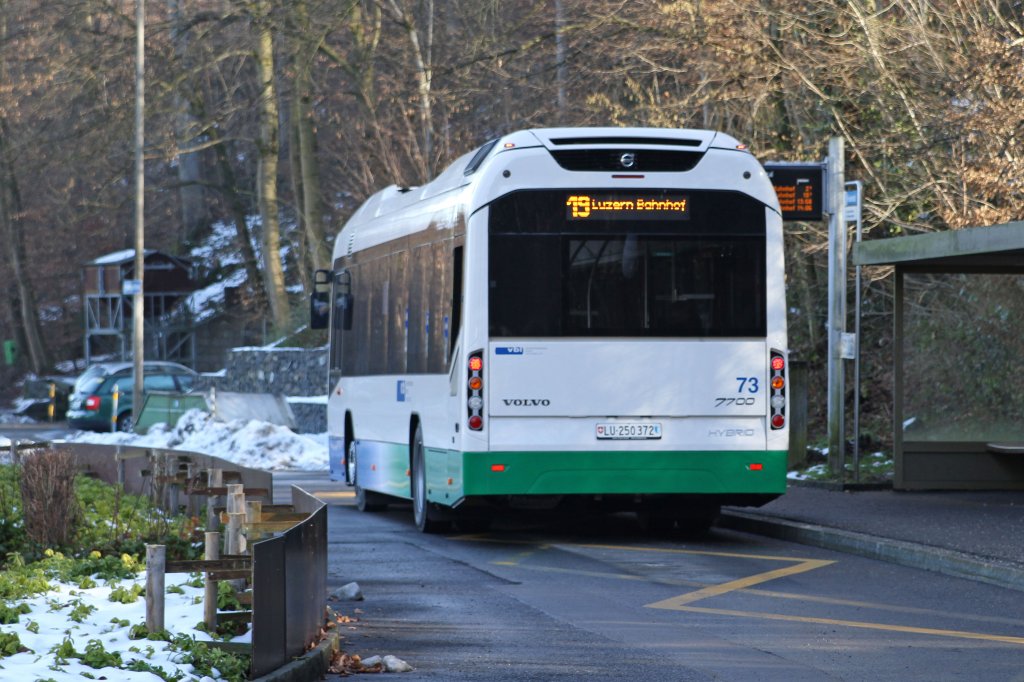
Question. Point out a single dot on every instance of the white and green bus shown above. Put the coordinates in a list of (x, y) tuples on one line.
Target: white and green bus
[(566, 315)]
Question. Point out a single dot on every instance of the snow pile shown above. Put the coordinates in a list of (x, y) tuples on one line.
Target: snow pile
[(249, 443)]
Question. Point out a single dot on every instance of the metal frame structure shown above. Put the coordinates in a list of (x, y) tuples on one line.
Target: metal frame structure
[(105, 311), (949, 465)]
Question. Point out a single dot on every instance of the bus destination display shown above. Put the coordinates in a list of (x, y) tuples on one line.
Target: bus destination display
[(622, 207), (799, 188)]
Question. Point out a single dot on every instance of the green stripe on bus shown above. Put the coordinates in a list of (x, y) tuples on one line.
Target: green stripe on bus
[(643, 472)]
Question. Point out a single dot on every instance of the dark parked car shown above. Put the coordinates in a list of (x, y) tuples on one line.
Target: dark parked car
[(91, 405)]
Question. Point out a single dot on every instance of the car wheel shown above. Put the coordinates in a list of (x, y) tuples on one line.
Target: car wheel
[(125, 423)]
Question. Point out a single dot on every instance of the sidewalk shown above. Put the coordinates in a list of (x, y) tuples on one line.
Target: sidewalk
[(975, 535)]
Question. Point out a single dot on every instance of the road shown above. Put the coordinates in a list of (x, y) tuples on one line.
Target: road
[(34, 431), (595, 598)]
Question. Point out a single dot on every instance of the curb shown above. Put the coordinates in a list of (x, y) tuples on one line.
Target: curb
[(957, 564), (312, 665)]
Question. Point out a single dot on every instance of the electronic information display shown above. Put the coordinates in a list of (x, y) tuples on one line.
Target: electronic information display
[(625, 207), (800, 188)]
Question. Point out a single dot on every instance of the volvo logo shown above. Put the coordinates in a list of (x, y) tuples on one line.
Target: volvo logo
[(526, 402), (627, 160)]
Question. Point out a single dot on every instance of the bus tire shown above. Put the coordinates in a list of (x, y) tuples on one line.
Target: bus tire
[(427, 519), (365, 501)]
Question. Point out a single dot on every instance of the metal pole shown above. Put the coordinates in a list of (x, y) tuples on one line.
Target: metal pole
[(836, 306), (856, 333), (137, 297)]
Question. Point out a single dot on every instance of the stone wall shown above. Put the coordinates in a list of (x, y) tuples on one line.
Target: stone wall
[(291, 372)]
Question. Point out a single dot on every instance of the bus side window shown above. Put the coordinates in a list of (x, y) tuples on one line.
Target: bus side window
[(456, 311), (320, 300), (343, 304)]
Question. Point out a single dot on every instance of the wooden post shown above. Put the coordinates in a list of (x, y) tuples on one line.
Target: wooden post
[(214, 479), (254, 513), (190, 500), (156, 562), (210, 597), (233, 541)]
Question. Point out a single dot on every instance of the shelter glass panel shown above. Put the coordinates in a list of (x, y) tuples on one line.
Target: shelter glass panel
[(963, 358)]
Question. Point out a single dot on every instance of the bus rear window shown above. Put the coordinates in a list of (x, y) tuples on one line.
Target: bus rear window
[(629, 278)]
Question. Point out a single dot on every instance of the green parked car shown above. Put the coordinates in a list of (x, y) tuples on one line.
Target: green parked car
[(91, 404)]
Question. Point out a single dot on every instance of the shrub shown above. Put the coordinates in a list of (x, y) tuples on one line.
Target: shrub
[(48, 498)]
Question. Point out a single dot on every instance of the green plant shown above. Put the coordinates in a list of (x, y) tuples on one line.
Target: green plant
[(96, 656), (21, 582), (81, 611), (10, 644), (63, 651), (227, 598), (126, 595), (141, 666), (204, 658), (10, 614)]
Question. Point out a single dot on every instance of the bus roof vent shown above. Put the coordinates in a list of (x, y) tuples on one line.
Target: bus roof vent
[(627, 159), (628, 140)]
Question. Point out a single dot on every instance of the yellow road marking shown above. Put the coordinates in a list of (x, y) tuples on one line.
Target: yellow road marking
[(856, 624), (694, 552), (683, 602), (742, 583), (333, 494), (516, 559)]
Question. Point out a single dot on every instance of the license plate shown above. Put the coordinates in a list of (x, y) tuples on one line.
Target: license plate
[(628, 431)]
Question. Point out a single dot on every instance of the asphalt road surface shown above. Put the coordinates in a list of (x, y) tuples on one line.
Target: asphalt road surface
[(595, 598)]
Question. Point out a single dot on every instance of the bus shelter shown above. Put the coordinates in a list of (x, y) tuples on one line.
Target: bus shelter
[(958, 355)]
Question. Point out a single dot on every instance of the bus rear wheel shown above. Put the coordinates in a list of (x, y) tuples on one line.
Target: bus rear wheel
[(427, 519), (365, 500)]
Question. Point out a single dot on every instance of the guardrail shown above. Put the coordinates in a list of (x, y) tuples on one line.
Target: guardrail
[(288, 575), (289, 585)]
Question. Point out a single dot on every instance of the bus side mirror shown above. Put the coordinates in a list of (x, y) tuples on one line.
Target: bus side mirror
[(320, 300)]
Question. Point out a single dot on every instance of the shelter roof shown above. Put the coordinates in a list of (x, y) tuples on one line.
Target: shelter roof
[(998, 249)]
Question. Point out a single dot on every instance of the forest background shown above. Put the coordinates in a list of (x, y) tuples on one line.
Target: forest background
[(280, 117)]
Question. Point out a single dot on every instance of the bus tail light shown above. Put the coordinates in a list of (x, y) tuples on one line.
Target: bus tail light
[(778, 384), (475, 399)]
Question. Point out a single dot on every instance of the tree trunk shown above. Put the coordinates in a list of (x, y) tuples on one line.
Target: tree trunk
[(317, 248), (195, 214), (422, 55), (237, 206), (269, 149)]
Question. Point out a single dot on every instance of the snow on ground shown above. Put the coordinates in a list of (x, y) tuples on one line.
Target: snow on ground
[(54, 614), (253, 444)]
